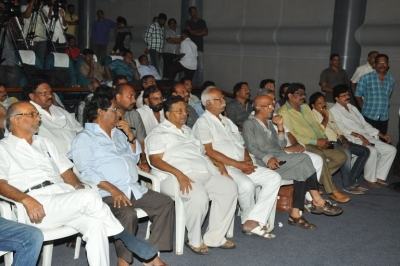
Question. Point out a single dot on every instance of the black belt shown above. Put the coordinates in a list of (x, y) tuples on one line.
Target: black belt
[(44, 184)]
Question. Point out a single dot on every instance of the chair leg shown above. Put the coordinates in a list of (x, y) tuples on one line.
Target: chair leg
[(148, 230), (180, 225), (77, 246), (231, 227), (47, 253), (8, 259)]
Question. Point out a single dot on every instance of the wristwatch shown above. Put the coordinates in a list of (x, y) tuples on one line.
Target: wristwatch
[(131, 141)]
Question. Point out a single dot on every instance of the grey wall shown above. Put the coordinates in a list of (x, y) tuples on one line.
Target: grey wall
[(287, 40)]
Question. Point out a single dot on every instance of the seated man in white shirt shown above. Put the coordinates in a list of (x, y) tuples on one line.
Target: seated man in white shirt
[(188, 58), (34, 173), (106, 153), (171, 148), (353, 125), (146, 69), (57, 124), (223, 142), (152, 111)]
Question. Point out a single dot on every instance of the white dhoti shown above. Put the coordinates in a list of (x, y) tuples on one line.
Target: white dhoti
[(270, 182), (222, 191), (82, 210)]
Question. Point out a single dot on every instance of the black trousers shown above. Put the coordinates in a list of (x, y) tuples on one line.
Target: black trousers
[(382, 126), (177, 67), (300, 189)]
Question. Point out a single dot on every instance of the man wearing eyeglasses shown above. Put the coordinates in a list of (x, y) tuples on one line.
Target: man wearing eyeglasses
[(223, 142), (34, 173), (298, 117), (152, 111), (57, 124), (106, 153)]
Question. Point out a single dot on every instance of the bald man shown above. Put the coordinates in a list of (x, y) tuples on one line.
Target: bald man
[(34, 173)]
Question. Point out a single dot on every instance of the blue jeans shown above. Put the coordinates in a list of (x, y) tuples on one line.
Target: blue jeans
[(351, 174), (24, 240), (141, 248)]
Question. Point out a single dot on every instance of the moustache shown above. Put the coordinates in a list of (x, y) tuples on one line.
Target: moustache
[(348, 99), (49, 100)]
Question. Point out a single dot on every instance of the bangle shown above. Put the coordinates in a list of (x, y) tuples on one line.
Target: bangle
[(131, 141)]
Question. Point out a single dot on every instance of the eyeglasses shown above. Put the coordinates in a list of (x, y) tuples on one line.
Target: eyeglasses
[(44, 93), (219, 99), (31, 114), (181, 111), (158, 99), (300, 93), (114, 109)]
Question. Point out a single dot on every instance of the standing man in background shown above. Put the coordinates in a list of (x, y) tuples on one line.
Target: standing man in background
[(100, 35), (72, 20), (332, 76), (376, 87), (197, 28), (154, 38)]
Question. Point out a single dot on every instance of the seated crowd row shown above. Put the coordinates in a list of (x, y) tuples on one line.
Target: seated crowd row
[(212, 156)]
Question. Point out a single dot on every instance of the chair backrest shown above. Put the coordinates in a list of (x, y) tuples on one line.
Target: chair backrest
[(60, 61)]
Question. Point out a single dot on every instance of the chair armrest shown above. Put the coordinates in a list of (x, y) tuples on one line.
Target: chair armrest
[(5, 210), (155, 180), (19, 207)]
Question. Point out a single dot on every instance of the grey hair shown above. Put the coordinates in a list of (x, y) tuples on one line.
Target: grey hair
[(205, 95), (265, 92), (12, 111), (90, 85)]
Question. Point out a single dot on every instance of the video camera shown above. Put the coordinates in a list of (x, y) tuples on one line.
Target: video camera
[(57, 4), (8, 9)]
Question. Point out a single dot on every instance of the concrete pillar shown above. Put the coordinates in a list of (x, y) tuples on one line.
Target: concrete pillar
[(185, 4), (348, 17), (87, 14)]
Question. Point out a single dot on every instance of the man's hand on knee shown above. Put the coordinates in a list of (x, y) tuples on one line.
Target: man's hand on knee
[(34, 209)]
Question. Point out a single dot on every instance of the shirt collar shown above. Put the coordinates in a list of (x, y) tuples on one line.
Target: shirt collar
[(16, 141), (172, 127)]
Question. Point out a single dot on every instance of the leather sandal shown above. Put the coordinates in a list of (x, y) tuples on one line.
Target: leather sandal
[(327, 209), (301, 222), (372, 184), (202, 250), (227, 245)]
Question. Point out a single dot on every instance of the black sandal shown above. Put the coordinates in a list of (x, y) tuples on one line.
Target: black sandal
[(302, 222)]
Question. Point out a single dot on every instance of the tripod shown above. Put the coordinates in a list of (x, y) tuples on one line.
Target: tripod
[(6, 32)]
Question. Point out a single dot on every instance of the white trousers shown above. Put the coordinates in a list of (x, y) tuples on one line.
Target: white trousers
[(82, 210), (270, 182), (380, 159), (222, 191), (317, 163)]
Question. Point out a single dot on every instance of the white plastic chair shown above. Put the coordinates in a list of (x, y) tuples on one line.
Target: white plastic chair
[(49, 234), (155, 186), (180, 218), (5, 212)]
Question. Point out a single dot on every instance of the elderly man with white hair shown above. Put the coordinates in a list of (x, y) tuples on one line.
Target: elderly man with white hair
[(223, 142)]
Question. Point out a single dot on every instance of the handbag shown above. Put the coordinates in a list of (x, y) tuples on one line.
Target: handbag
[(285, 198)]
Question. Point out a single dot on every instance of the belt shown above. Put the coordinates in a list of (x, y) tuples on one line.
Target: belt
[(44, 184)]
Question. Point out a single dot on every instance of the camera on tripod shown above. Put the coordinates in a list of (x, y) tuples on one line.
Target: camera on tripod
[(56, 5), (8, 9)]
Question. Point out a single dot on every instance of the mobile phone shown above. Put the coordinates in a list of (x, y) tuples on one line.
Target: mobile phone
[(282, 162), (331, 145)]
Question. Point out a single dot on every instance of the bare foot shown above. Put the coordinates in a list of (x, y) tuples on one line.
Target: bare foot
[(155, 262), (250, 225), (122, 262)]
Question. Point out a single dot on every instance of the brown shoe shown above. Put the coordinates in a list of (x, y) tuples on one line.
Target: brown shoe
[(339, 197), (327, 209)]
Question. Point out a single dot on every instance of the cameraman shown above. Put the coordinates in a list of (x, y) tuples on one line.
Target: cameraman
[(57, 24), (39, 29)]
